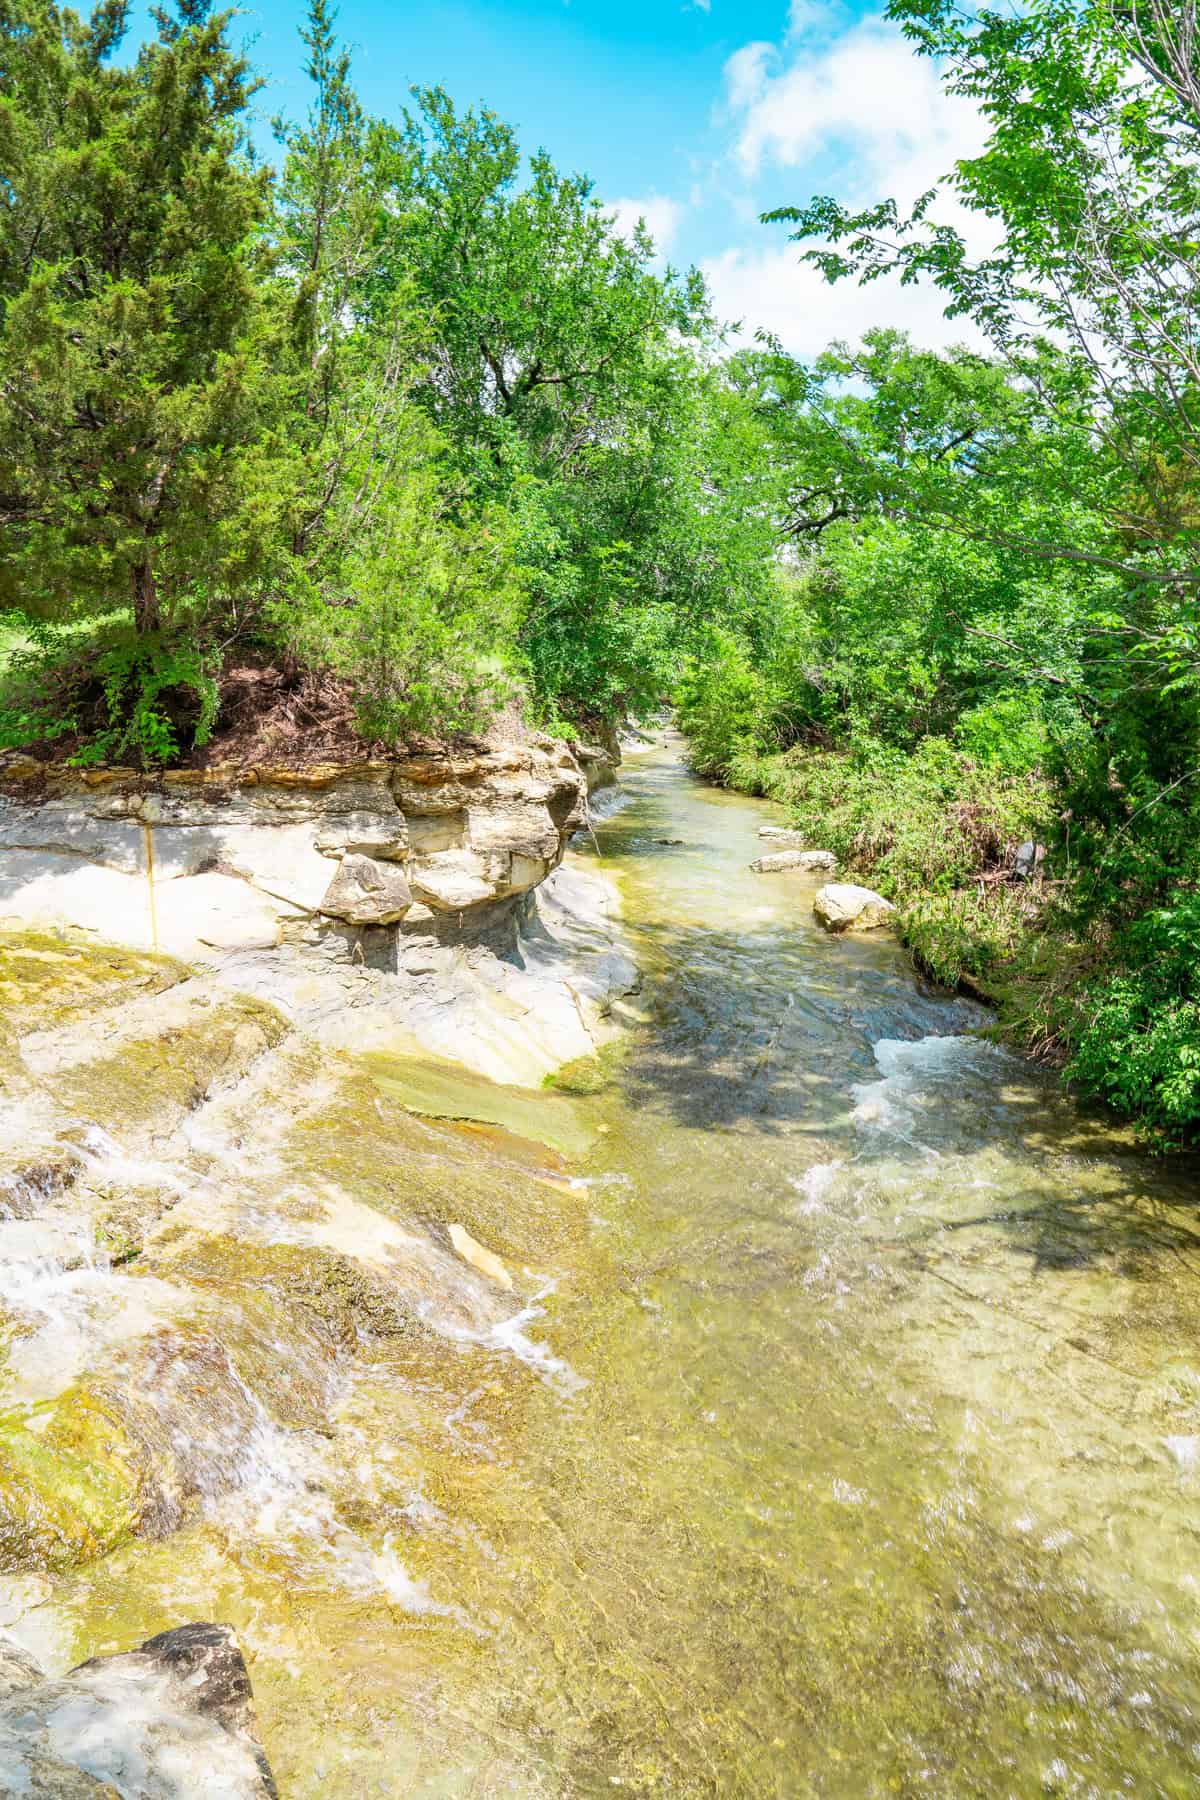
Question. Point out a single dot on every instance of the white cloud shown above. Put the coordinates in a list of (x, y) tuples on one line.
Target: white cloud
[(746, 74), (661, 214), (856, 114), (772, 290), (813, 15), (868, 94)]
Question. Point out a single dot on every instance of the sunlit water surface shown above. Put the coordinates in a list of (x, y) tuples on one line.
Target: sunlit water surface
[(851, 1448)]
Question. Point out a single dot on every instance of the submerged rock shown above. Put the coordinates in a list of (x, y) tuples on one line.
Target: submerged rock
[(843, 906), (783, 837), (812, 860), (172, 1720), (486, 1261)]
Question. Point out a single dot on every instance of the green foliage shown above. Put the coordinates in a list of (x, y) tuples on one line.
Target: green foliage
[(1137, 1040), (1004, 732), (411, 410), (432, 603), (133, 370), (120, 695), (568, 384), (1002, 551), (926, 821)]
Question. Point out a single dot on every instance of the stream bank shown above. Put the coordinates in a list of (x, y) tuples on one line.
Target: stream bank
[(839, 1437)]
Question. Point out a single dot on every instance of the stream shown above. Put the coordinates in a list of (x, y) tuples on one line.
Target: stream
[(841, 1438)]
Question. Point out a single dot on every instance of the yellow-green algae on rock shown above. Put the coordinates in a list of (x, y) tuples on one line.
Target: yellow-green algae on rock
[(69, 1482), (48, 976), (446, 1090), (156, 1079), (840, 1439)]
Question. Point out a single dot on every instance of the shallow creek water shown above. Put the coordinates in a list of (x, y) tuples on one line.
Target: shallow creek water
[(842, 1438)]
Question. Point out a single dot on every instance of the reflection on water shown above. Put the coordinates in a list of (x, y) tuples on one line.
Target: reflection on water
[(846, 1443)]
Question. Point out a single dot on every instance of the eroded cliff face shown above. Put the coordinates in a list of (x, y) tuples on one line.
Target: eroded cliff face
[(433, 845)]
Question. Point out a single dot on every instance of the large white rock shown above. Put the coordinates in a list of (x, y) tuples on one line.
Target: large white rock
[(366, 892), (843, 906)]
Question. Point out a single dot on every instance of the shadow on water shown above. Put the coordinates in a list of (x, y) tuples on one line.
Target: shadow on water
[(744, 1034)]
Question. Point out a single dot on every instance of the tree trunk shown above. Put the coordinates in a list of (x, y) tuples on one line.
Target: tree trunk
[(147, 615)]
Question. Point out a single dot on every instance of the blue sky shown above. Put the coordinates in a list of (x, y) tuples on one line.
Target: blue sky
[(698, 113)]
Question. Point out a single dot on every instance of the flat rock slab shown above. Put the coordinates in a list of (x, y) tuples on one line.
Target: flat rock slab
[(479, 1257), (843, 906), (815, 861), (783, 837)]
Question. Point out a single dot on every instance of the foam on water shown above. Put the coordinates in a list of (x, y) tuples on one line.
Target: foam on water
[(1184, 1451), (510, 1335), (83, 1313), (916, 1075), (815, 1185)]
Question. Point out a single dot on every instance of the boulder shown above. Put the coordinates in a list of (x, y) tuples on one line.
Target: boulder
[(1027, 859), (172, 1720), (812, 860), (843, 906), (366, 892), (783, 837)]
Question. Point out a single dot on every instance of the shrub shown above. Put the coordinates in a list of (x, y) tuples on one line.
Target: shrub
[(929, 821), (123, 695), (1138, 1038)]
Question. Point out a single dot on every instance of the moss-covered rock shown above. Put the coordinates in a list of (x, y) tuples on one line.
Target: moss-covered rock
[(69, 1482), (588, 1075), (156, 1079), (342, 1298), (48, 977), (509, 1192)]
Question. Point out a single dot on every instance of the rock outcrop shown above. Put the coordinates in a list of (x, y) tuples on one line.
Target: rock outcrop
[(173, 1720), (843, 906), (191, 861), (599, 758), (814, 861), (416, 904)]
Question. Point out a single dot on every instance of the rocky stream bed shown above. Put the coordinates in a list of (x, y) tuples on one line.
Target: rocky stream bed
[(797, 1396)]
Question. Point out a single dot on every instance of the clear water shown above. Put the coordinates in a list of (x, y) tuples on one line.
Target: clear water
[(846, 1442)]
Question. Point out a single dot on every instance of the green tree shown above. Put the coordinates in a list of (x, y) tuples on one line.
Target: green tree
[(1090, 183), (132, 367), (399, 580), (544, 313)]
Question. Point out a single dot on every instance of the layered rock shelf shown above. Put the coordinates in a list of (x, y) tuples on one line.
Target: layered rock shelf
[(192, 861)]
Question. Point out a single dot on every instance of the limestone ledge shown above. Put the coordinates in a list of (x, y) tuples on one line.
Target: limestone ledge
[(190, 861)]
